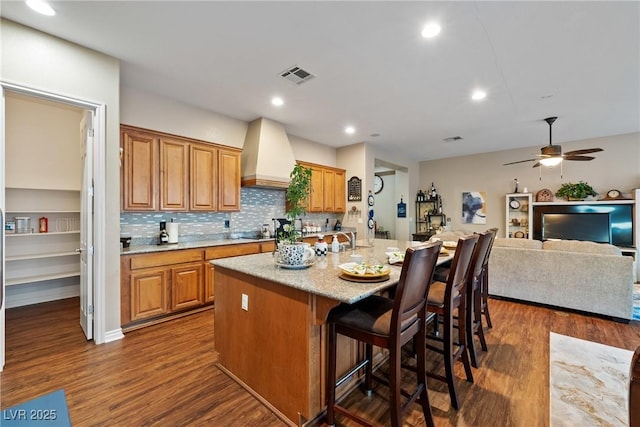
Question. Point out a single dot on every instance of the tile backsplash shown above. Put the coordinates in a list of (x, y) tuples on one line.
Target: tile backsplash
[(258, 206)]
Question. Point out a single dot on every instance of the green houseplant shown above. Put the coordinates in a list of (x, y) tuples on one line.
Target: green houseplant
[(297, 198), (577, 191)]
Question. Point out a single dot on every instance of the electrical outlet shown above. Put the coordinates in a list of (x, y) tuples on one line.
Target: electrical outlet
[(245, 302), (226, 223)]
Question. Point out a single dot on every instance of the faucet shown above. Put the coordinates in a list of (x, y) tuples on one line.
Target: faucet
[(351, 238)]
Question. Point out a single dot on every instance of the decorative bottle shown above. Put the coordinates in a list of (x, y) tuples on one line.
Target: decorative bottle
[(335, 244), (434, 194)]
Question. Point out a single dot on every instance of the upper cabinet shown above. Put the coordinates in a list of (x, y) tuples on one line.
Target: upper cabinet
[(140, 170), (203, 170), (166, 172), (174, 175), (228, 180), (328, 189)]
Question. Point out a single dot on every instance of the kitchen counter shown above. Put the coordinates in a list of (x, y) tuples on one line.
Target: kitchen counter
[(322, 277), (145, 249), (270, 325)]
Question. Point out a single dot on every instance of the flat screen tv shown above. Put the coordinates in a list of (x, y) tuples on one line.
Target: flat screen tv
[(620, 220), (595, 227)]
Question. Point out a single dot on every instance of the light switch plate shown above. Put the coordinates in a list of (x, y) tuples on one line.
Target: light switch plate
[(245, 302)]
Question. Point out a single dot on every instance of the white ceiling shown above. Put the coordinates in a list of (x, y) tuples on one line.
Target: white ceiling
[(576, 60)]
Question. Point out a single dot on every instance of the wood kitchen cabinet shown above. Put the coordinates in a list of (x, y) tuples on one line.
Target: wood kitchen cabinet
[(328, 189), (139, 151), (173, 173), (203, 172), (229, 180), (160, 284), (187, 286), (226, 251), (149, 293)]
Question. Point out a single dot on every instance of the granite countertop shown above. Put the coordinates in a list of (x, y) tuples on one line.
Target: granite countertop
[(145, 249), (322, 277)]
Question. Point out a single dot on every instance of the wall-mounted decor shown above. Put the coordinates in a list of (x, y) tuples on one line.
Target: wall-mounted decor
[(474, 208), (402, 209), (354, 189)]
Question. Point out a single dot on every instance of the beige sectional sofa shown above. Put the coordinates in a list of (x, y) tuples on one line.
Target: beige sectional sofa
[(585, 276)]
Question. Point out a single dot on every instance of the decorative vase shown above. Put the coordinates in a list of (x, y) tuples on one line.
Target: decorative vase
[(295, 253)]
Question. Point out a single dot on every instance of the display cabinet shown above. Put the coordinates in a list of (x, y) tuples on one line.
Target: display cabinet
[(518, 216), (429, 218)]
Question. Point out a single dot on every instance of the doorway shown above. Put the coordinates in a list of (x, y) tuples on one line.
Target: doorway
[(394, 191), (58, 201)]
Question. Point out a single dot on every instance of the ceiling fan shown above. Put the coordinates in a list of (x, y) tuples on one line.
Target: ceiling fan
[(551, 155)]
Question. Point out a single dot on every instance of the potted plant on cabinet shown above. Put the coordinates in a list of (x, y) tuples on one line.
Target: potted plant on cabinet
[(577, 191), (291, 251)]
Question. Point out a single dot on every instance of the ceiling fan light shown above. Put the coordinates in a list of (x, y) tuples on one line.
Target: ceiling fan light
[(551, 161)]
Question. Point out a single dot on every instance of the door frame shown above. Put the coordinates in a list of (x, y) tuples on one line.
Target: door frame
[(99, 182)]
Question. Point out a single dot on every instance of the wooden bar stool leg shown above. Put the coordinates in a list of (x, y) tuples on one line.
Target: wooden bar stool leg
[(462, 337), (477, 320), (485, 297), (447, 337), (368, 370), (420, 342), (470, 328), (394, 387), (331, 373)]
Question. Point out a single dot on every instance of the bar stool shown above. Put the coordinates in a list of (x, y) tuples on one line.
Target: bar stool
[(474, 294), (444, 299), (484, 286), (389, 324)]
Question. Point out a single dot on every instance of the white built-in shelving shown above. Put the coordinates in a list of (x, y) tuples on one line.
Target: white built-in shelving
[(49, 260)]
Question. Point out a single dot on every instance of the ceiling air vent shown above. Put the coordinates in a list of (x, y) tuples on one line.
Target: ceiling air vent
[(453, 138), (296, 75)]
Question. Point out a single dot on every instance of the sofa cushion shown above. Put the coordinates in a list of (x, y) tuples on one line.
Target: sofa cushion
[(517, 243), (581, 246)]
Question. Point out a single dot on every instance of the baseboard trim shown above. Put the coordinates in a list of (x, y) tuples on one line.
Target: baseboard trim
[(568, 310), (113, 335)]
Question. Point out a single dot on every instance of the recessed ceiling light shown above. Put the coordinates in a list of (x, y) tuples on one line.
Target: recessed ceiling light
[(432, 29), (350, 130), (478, 95), (277, 101), (41, 7)]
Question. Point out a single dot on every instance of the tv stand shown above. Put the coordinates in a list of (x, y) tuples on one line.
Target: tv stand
[(628, 213)]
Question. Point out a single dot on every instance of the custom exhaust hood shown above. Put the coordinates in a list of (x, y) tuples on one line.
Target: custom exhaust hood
[(267, 157)]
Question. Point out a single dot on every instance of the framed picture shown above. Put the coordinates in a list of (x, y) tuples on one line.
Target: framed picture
[(474, 207)]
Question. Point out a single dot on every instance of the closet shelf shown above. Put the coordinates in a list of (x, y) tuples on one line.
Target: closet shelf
[(40, 278), (42, 234), (40, 256)]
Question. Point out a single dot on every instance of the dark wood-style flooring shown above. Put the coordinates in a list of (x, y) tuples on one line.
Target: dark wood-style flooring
[(165, 375)]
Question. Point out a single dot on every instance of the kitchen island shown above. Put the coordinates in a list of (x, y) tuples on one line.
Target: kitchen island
[(269, 325)]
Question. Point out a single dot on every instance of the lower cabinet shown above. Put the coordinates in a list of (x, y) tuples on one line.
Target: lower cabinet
[(158, 286), (187, 290), (149, 293)]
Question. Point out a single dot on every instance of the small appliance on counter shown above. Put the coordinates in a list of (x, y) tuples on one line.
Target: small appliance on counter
[(265, 232), (338, 225), (172, 231), (164, 236)]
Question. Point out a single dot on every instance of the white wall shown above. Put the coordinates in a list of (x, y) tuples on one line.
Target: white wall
[(618, 166), (312, 152), (385, 208), (150, 111), (42, 136), (37, 60)]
